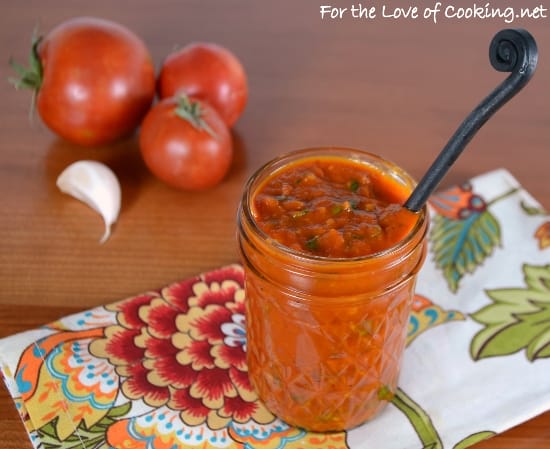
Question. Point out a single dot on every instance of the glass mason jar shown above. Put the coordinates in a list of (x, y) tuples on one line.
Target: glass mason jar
[(325, 336)]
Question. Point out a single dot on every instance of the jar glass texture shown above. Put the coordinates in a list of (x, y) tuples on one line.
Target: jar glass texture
[(325, 336)]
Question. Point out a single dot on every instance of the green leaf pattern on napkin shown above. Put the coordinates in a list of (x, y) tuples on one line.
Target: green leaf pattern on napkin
[(518, 319), (460, 246), (94, 437), (475, 438), (464, 232)]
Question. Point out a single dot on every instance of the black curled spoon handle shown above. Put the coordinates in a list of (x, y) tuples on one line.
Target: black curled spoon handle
[(511, 50)]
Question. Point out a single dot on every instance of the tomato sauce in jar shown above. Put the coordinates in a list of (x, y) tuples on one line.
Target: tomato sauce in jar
[(330, 258), (332, 207)]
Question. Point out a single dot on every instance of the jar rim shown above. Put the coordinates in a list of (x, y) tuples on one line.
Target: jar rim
[(306, 153)]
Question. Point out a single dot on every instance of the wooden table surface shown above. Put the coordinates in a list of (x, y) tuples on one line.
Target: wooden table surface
[(395, 87)]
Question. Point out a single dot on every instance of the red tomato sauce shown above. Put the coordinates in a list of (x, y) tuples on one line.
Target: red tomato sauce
[(333, 207), (326, 322)]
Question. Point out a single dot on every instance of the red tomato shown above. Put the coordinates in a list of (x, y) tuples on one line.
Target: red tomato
[(208, 72), (185, 143), (98, 80)]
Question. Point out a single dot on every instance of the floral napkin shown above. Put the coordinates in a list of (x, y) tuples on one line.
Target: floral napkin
[(166, 369)]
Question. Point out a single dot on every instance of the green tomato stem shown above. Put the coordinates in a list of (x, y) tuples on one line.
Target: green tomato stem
[(192, 112), (29, 77)]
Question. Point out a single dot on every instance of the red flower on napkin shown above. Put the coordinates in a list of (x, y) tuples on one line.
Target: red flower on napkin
[(184, 348)]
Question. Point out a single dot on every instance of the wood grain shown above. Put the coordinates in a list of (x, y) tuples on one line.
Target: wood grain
[(398, 88)]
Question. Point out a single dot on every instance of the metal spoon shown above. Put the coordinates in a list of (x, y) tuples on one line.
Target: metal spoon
[(511, 50)]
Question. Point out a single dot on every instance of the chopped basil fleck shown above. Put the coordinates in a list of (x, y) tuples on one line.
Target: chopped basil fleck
[(354, 185), (312, 243)]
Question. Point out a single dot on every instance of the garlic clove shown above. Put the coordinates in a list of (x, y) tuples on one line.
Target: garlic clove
[(96, 185)]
